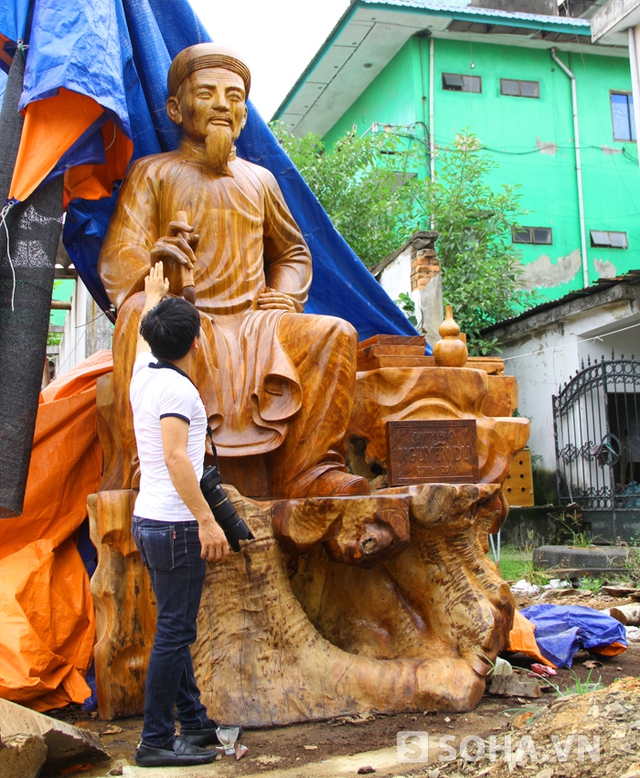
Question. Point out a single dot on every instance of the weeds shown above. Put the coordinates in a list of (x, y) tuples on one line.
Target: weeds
[(578, 686), (593, 585), (583, 687), (632, 562), (535, 576), (579, 538)]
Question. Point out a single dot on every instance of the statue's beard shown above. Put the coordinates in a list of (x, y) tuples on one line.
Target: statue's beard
[(218, 144)]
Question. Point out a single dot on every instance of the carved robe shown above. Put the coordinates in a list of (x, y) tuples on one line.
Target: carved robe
[(248, 241), (252, 385)]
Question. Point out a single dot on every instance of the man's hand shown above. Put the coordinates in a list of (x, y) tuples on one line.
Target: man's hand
[(272, 299), (179, 245), (175, 435), (213, 541), (156, 286)]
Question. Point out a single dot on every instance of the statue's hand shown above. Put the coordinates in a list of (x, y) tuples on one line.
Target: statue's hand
[(272, 299), (179, 245)]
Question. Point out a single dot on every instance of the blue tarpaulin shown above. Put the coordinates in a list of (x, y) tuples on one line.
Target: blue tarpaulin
[(117, 52), (562, 630)]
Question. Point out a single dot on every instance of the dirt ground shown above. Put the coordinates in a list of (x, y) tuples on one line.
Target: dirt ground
[(295, 746)]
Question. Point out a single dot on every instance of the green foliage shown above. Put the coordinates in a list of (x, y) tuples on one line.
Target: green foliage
[(593, 585), (370, 188), (407, 306), (632, 564), (54, 338), (515, 563), (480, 266), (575, 534), (366, 185)]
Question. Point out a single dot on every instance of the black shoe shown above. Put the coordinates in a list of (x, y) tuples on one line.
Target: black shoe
[(208, 736), (182, 754)]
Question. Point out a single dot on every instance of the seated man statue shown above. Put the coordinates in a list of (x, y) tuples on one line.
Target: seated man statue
[(274, 381)]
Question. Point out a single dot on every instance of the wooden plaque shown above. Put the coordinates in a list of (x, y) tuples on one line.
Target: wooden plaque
[(432, 452)]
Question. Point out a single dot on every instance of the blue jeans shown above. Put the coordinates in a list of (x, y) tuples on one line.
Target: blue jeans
[(171, 553)]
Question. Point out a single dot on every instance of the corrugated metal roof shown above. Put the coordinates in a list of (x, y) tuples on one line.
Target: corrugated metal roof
[(474, 11), (632, 277), (296, 108)]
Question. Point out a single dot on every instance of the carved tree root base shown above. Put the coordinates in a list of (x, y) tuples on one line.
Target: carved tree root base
[(125, 606), (417, 630)]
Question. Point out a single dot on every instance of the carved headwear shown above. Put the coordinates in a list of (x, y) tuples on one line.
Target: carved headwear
[(206, 55)]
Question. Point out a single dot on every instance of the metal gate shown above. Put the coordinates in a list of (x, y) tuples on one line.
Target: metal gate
[(596, 420)]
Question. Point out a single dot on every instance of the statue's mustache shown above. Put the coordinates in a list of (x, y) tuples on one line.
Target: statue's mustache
[(225, 117)]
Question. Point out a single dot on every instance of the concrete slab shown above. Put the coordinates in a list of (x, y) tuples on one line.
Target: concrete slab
[(573, 558)]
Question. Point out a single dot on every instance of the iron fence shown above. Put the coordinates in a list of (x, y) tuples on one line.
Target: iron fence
[(596, 419)]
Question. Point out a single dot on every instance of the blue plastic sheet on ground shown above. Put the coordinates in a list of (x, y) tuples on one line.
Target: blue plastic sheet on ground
[(562, 630), (118, 53)]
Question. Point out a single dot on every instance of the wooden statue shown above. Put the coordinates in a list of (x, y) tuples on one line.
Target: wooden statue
[(273, 381), (347, 600)]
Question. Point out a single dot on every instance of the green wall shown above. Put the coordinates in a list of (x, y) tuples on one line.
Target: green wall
[(531, 139)]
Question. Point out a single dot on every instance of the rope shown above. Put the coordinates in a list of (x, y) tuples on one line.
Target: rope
[(115, 130), (3, 221)]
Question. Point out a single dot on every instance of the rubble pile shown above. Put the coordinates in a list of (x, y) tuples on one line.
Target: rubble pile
[(595, 734)]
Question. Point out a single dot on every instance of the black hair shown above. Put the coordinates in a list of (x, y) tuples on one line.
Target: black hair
[(170, 328)]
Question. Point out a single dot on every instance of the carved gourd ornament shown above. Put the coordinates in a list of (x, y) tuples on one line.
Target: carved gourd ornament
[(450, 351)]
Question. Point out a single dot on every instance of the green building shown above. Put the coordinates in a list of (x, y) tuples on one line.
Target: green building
[(553, 109)]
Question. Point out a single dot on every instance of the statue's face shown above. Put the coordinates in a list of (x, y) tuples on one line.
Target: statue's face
[(206, 98)]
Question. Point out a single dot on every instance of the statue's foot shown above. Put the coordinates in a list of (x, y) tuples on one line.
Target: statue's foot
[(332, 483)]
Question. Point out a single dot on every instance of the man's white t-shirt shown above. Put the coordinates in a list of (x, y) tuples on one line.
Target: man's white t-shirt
[(157, 392)]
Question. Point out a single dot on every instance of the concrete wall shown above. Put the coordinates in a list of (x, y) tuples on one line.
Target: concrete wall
[(86, 330), (545, 350), (531, 139), (395, 278)]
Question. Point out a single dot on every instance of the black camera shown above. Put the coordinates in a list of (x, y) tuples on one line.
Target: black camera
[(222, 508)]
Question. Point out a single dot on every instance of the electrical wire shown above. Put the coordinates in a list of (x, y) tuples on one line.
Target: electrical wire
[(571, 345)]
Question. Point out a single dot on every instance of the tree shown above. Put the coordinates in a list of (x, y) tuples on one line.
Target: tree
[(480, 266), (369, 187)]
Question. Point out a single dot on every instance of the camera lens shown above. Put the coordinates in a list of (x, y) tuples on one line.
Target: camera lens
[(222, 508)]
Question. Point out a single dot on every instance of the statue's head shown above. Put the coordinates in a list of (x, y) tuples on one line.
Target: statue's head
[(208, 88)]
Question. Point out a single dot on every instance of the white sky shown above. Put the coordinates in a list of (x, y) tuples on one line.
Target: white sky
[(278, 38)]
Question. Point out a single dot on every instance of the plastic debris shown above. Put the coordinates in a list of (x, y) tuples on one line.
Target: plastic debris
[(543, 670), (523, 587), (562, 630), (557, 583), (501, 667), (633, 634)]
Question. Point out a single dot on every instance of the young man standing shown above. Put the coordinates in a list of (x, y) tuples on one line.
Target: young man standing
[(173, 526)]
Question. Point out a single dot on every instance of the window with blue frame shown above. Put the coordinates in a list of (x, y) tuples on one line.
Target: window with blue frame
[(624, 126)]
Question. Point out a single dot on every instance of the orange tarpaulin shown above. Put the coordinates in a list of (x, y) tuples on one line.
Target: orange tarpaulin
[(522, 639), (48, 626), (51, 127)]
